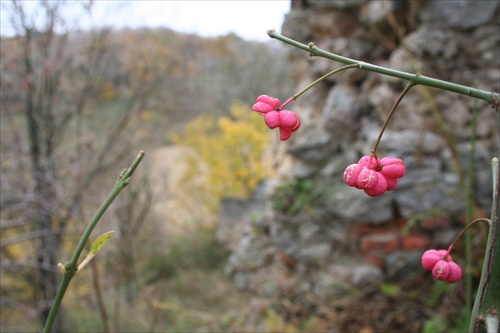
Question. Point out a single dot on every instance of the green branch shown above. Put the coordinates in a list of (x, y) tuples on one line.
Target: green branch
[(416, 79), (487, 304), (71, 268)]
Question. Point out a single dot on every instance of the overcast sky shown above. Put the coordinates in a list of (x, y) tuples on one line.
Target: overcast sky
[(248, 19)]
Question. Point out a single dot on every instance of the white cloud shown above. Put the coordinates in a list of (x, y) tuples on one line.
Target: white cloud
[(248, 19)]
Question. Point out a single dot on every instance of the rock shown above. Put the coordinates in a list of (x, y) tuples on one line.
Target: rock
[(355, 206), (482, 47), (376, 12), (429, 42), (232, 222), (408, 141), (313, 250), (428, 197), (464, 14), (315, 254), (312, 147), (366, 275), (340, 113), (334, 279), (403, 265), (236, 214)]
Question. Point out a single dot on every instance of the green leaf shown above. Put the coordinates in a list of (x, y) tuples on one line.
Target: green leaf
[(95, 247), (390, 289), (100, 241)]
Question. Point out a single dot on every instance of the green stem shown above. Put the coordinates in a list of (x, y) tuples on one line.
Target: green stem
[(71, 267), (464, 230), (389, 116), (335, 71), (490, 97), (487, 304)]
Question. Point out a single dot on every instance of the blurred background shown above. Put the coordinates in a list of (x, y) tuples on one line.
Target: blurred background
[(223, 227)]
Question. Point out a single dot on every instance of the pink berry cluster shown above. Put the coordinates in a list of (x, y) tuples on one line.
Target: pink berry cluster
[(375, 176), (442, 265), (287, 121)]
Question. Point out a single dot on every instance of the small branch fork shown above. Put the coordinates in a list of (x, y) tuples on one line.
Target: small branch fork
[(70, 269)]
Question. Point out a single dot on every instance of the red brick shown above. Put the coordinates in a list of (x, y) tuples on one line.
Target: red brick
[(478, 214), (286, 260), (415, 242), (360, 229), (436, 222), (400, 222), (387, 243), (375, 259)]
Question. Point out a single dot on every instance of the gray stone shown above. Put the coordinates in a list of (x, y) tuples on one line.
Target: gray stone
[(349, 47), (338, 162), (334, 279), (293, 27), (462, 14), (432, 43), (483, 47), (354, 205), (376, 12), (341, 113), (312, 147), (337, 4), (308, 232), (403, 60), (429, 197), (341, 119), (315, 254), (366, 275), (408, 141), (403, 265)]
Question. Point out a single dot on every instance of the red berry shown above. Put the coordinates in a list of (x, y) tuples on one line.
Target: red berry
[(391, 183), (455, 272), (285, 134), (431, 257), (289, 120), (379, 188), (262, 108), (351, 174), (371, 162), (272, 119), (274, 102), (367, 178), (393, 167)]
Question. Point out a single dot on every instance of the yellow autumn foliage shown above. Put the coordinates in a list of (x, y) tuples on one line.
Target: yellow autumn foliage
[(232, 148)]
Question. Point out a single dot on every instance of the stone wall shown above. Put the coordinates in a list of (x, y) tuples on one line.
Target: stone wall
[(340, 237)]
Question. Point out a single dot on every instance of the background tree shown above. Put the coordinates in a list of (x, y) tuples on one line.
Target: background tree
[(230, 153), (68, 96), (49, 83)]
